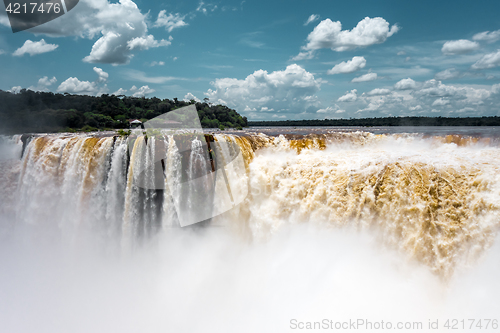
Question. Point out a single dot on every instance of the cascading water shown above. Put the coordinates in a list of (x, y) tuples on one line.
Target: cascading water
[(432, 203)]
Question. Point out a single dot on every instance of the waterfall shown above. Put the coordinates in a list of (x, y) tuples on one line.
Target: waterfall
[(435, 198), (95, 230)]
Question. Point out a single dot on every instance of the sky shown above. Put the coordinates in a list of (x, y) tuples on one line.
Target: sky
[(270, 60)]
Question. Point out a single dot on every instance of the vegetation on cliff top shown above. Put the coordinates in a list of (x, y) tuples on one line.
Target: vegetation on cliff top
[(30, 111), (387, 121)]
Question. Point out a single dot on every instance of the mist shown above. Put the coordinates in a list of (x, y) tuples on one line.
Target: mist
[(210, 281)]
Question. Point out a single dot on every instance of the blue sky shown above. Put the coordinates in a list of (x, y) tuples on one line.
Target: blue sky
[(270, 60)]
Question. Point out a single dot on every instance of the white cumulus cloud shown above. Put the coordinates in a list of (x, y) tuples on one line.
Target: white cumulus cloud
[(428, 98), (369, 31), (331, 109), (460, 46), (291, 90), (33, 48), (119, 92), (43, 84), (188, 97), (351, 96), (447, 74), (487, 36), (303, 56), (440, 102), (15, 89), (350, 66), (144, 43), (113, 23), (103, 76), (405, 84), (365, 78), (490, 60), (74, 86), (142, 91), (378, 92)]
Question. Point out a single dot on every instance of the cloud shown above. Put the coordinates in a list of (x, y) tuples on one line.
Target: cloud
[(249, 39), (329, 34), (495, 88), (115, 24), (33, 48), (188, 97), (74, 86), (156, 63), (486, 36), (400, 53), (136, 92), (431, 97), (217, 67), (15, 89), (170, 21), (103, 76), (440, 102), (144, 43), (2, 52), (490, 60), (365, 78), (447, 74), (405, 84), (378, 92), (206, 7), (460, 46), (404, 71), (136, 75), (351, 96), (468, 94), (43, 84), (331, 109), (291, 90), (355, 64), (142, 91), (119, 92), (303, 56), (311, 19)]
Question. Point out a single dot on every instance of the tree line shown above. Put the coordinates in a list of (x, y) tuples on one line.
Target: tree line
[(387, 121), (30, 111)]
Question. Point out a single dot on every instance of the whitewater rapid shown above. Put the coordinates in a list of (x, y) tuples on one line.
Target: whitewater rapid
[(342, 225)]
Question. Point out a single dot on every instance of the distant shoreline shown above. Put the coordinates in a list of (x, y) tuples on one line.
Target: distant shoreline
[(387, 121)]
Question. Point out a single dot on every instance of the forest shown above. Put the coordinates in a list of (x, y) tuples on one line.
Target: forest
[(34, 112), (387, 121)]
